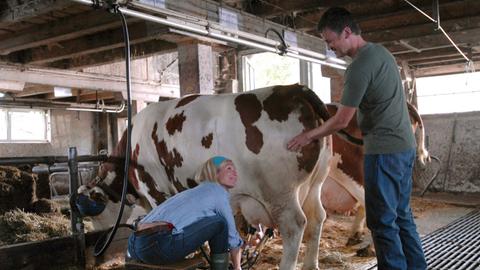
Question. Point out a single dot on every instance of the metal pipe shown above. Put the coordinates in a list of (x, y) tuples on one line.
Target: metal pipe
[(48, 159), (167, 22), (71, 106), (76, 218)]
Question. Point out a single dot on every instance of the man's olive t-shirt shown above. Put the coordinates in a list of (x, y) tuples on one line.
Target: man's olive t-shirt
[(373, 85)]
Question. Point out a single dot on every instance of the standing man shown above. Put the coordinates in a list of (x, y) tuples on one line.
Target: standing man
[(373, 86)]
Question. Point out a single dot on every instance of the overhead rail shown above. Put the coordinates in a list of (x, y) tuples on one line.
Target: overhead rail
[(204, 27), (436, 20)]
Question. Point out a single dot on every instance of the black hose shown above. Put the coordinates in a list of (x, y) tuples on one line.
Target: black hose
[(111, 233)]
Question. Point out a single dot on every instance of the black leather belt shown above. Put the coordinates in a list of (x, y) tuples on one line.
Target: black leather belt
[(151, 228)]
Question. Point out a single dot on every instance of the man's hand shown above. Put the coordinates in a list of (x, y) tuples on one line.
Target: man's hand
[(298, 142)]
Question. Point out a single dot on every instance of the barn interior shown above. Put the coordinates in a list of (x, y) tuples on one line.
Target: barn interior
[(62, 76)]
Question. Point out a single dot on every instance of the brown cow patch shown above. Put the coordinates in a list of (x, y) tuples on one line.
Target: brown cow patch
[(175, 123), (168, 159), (184, 101), (250, 110), (207, 140), (309, 156), (145, 177), (282, 102), (191, 183)]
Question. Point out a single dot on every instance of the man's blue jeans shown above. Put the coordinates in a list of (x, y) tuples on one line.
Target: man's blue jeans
[(388, 184), (165, 247)]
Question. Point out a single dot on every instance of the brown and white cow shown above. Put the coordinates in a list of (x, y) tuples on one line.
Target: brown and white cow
[(171, 139), (343, 190)]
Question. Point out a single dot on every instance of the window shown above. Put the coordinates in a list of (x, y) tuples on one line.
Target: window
[(449, 93), (266, 69), (24, 125)]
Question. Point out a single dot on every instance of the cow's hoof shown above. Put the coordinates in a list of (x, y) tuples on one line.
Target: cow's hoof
[(367, 251)]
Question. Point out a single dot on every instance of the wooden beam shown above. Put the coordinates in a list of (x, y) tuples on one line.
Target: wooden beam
[(11, 86), (22, 10), (140, 50), (409, 16), (63, 29), (107, 40), (34, 90), (274, 8), (443, 60), (240, 20), (443, 70), (429, 54), (420, 30), (83, 80), (438, 40), (368, 12)]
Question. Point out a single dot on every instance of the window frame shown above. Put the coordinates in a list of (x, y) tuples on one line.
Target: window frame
[(47, 125)]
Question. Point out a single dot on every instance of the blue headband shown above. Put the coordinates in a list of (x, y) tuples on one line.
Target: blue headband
[(217, 160)]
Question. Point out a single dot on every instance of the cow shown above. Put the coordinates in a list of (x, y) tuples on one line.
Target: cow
[(343, 190), (276, 187)]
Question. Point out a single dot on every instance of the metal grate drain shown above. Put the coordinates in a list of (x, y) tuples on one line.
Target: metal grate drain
[(455, 246)]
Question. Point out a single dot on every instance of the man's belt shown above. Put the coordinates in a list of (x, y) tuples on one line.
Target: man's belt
[(149, 228)]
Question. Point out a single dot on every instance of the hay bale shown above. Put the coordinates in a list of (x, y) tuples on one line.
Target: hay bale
[(43, 186), (44, 206), (17, 226), (17, 189)]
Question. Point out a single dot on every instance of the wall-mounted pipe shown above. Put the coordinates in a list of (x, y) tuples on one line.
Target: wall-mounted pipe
[(59, 105)]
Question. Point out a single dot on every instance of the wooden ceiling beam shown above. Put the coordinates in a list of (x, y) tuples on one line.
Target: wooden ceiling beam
[(409, 16), (461, 38), (373, 15), (16, 11), (107, 40), (420, 30), (140, 50), (71, 27), (274, 7), (33, 90), (83, 80), (443, 69)]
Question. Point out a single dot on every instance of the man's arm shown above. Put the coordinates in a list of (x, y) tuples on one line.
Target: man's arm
[(339, 121), (236, 257)]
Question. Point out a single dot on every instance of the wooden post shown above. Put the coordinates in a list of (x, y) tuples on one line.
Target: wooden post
[(336, 82), (195, 68)]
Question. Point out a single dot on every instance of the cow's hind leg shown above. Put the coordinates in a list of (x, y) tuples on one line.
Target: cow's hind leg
[(291, 224), (316, 215)]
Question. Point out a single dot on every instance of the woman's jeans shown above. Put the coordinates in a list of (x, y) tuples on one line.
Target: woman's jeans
[(165, 247), (388, 184)]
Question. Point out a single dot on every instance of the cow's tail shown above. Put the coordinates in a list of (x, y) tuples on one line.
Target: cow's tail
[(422, 153), (322, 111)]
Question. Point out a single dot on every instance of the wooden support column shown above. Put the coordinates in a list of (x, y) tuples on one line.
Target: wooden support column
[(100, 132), (336, 82), (195, 67)]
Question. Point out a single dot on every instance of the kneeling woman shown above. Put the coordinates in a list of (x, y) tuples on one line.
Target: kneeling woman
[(181, 224)]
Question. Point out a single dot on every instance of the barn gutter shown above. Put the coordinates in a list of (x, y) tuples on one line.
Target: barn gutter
[(204, 27)]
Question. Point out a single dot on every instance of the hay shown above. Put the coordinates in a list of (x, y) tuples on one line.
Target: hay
[(17, 226), (17, 189), (44, 206)]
